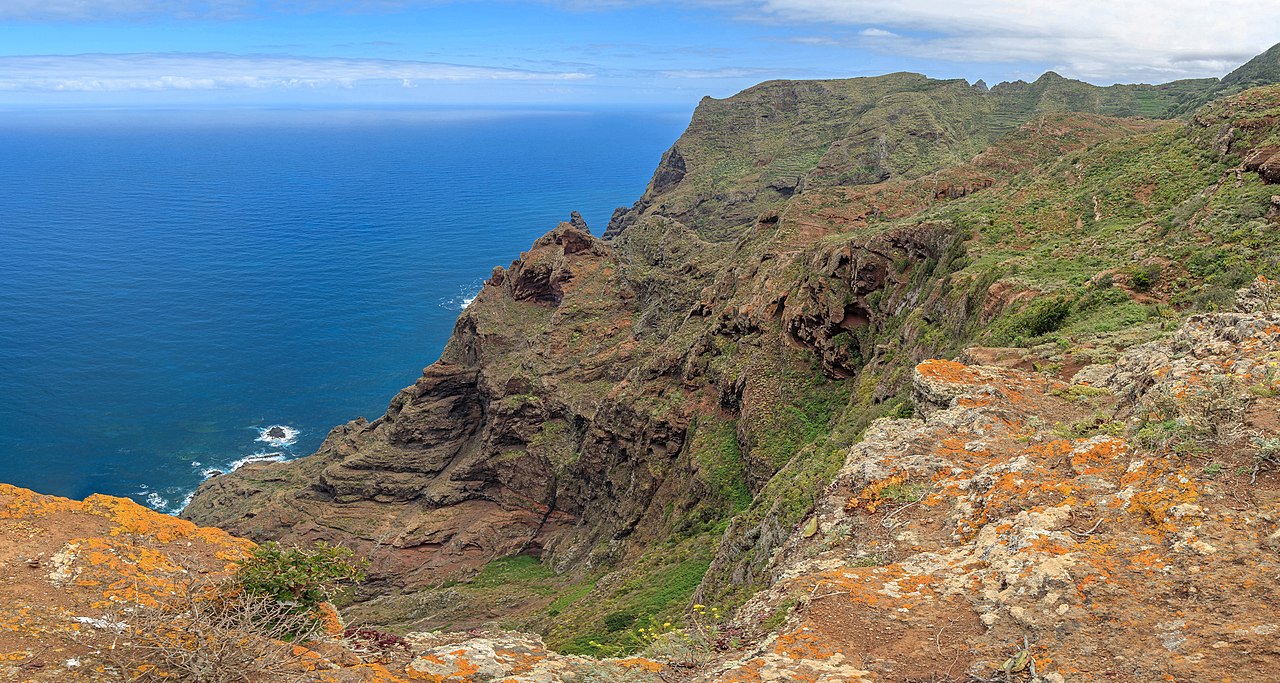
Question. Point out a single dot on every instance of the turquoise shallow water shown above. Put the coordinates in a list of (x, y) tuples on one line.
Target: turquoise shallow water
[(172, 284)]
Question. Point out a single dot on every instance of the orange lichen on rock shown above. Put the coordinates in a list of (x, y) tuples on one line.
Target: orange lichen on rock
[(81, 571), (869, 498), (1100, 456), (948, 371), (329, 617), (1106, 539)]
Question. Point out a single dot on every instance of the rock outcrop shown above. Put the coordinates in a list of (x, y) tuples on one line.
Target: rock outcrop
[(1025, 514), (82, 577)]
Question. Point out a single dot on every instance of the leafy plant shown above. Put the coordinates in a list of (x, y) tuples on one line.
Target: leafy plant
[(1090, 426), (1080, 392), (1267, 455), (905, 492), (1143, 279), (1040, 317), (299, 576), (1211, 410), (901, 411)]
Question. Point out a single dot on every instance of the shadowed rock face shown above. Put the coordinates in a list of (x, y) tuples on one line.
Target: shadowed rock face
[(503, 446)]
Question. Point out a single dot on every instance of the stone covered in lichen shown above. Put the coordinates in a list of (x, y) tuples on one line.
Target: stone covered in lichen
[(77, 573), (1028, 522)]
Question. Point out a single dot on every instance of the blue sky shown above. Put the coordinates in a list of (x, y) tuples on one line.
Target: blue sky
[(68, 53)]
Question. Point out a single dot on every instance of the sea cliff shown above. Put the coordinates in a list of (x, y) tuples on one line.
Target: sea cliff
[(888, 379)]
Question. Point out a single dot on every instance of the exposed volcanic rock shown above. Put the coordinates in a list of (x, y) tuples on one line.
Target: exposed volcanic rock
[(515, 441), (948, 544), (1265, 162), (622, 427), (1245, 126)]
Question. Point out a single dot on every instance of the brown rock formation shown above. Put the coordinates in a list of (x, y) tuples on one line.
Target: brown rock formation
[(950, 546)]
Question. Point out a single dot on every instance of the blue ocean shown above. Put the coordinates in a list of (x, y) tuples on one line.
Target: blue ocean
[(174, 285)]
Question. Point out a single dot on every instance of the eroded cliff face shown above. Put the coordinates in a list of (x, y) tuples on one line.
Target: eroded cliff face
[(745, 154), (524, 427), (1023, 527), (655, 416)]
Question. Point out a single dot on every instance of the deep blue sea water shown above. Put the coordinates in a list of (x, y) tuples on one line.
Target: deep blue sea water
[(174, 283)]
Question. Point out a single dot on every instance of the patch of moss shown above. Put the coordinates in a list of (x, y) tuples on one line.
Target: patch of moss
[(505, 571), (714, 447), (655, 587)]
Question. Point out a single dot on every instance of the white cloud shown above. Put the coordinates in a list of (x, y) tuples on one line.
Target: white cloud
[(90, 10), (726, 72), (1091, 39), (1097, 40), (125, 72)]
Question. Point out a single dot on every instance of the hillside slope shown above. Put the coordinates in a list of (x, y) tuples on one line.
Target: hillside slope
[(621, 427), (752, 151)]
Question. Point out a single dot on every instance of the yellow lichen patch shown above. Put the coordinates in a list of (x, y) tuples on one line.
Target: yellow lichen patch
[(130, 518), (888, 586), (19, 503), (954, 448), (1100, 457), (746, 673), (328, 615), (802, 644), (640, 663), (1156, 492), (128, 573), (871, 495), (948, 371), (975, 401)]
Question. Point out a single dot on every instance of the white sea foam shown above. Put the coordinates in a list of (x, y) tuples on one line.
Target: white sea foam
[(466, 294), (273, 456), (156, 501), (286, 435)]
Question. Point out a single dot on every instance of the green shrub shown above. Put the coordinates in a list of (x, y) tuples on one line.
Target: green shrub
[(1143, 279), (902, 410), (301, 576), (1040, 317), (1090, 426), (617, 621), (1267, 453)]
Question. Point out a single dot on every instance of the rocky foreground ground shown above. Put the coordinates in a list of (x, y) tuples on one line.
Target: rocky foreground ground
[(1123, 525)]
